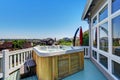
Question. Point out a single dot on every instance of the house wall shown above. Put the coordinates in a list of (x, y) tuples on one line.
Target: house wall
[(99, 5)]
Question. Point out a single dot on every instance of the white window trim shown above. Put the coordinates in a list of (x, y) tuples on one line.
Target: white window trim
[(108, 54)]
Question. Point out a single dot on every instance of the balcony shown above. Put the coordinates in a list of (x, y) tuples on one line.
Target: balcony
[(18, 58)]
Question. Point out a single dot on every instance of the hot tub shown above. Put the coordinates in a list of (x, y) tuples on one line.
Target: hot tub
[(57, 62)]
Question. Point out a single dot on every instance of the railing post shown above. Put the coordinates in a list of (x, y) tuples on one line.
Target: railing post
[(5, 63)]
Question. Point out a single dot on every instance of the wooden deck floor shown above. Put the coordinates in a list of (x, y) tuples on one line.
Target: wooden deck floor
[(90, 72)]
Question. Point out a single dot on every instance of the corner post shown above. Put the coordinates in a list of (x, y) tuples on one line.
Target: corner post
[(5, 63)]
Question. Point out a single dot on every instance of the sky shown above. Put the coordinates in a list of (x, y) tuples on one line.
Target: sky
[(37, 19)]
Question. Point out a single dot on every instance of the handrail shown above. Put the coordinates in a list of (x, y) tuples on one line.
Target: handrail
[(20, 51)]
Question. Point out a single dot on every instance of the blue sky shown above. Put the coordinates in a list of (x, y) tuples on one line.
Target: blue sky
[(40, 18)]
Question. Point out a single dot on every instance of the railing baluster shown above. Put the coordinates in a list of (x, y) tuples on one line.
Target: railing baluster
[(10, 62), (19, 59), (14, 60), (24, 56), (28, 55), (31, 54), (85, 51)]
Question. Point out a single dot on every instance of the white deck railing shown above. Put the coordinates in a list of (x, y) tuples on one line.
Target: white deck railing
[(86, 51), (13, 60)]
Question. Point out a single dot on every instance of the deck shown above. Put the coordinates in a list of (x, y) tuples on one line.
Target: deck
[(90, 72)]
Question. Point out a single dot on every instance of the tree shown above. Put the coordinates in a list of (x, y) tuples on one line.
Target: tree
[(18, 44), (64, 42), (86, 38)]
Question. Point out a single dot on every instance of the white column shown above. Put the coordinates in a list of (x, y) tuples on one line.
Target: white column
[(5, 63), (90, 37), (109, 36)]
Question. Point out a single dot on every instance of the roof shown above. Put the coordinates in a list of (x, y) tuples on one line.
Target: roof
[(88, 4)]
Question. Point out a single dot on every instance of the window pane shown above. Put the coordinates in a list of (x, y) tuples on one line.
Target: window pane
[(103, 61), (103, 41), (95, 21), (116, 35), (95, 38), (103, 13), (116, 69), (115, 5), (94, 53)]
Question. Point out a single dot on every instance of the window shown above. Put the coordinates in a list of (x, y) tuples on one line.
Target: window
[(103, 60), (116, 69), (103, 40), (115, 5), (95, 38), (94, 54), (116, 36), (95, 21), (103, 13)]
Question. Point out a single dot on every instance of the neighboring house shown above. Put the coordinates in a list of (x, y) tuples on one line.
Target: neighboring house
[(6, 45), (67, 39), (27, 45), (48, 41), (1, 42), (103, 16)]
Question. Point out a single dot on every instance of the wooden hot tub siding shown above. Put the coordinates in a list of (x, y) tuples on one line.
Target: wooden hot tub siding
[(58, 67)]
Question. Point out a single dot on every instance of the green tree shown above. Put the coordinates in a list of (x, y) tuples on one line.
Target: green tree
[(18, 44), (86, 38), (63, 42)]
